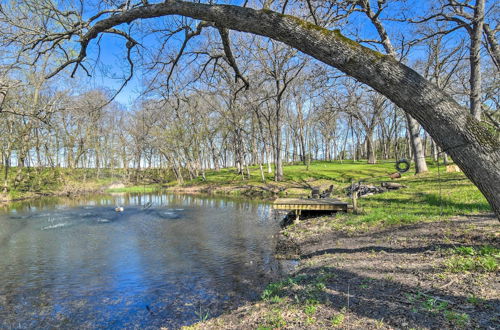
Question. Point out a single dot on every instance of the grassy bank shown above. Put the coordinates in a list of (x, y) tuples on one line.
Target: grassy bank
[(428, 197), (145, 188), (29, 183), (431, 196)]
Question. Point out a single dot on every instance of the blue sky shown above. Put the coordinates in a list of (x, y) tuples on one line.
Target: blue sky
[(113, 63)]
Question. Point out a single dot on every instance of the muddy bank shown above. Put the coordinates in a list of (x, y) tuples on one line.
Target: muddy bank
[(67, 190), (429, 275), (263, 192), (260, 190)]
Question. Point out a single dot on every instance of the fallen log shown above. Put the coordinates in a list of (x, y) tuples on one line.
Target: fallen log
[(392, 185), (396, 175)]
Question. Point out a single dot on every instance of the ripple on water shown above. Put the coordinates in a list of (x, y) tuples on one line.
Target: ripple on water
[(171, 215), (164, 265), (57, 225), (42, 215)]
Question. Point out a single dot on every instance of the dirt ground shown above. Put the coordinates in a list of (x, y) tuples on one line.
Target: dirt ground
[(391, 278)]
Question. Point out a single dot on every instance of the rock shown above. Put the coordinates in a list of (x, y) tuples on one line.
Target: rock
[(116, 185), (364, 189), (453, 168), (396, 175)]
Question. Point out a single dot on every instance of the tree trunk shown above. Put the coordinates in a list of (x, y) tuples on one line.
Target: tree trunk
[(278, 171), (268, 159), (472, 146), (302, 147), (416, 145), (475, 59), (493, 47), (262, 176), (278, 165), (434, 151), (370, 148), (6, 174)]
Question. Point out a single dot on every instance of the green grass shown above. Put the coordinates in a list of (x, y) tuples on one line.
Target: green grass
[(318, 170), (28, 182), (136, 189), (274, 319), (460, 320), (337, 320), (310, 310), (424, 302), (428, 197), (467, 258), (277, 289)]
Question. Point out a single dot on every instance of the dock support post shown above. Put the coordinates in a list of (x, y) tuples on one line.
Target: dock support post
[(297, 215), (355, 202)]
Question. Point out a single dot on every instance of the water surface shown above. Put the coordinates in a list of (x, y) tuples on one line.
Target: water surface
[(166, 260)]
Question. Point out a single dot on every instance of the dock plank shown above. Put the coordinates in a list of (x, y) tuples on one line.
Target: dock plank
[(318, 204), (308, 201)]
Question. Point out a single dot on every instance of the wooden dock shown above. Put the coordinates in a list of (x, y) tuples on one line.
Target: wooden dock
[(311, 204)]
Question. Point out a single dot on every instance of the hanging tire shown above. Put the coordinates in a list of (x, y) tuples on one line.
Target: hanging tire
[(402, 165)]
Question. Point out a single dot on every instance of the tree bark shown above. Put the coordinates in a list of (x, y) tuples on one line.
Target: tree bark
[(434, 151), (475, 59), (472, 146), (494, 48), (416, 145), (370, 148)]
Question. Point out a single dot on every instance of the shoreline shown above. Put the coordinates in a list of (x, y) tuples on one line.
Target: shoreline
[(33, 195), (232, 191)]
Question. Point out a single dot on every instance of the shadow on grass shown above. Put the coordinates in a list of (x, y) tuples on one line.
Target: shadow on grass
[(392, 302), (435, 200), (433, 247)]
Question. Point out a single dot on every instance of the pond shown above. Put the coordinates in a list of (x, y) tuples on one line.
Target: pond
[(166, 260)]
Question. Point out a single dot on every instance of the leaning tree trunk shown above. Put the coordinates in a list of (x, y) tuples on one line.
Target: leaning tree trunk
[(472, 146), (416, 145)]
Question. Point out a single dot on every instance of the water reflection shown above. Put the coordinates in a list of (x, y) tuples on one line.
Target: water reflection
[(78, 263)]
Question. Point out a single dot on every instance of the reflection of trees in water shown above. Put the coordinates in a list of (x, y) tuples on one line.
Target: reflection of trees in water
[(230, 266), (218, 251)]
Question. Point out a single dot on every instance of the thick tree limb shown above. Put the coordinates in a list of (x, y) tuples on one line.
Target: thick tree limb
[(226, 43), (493, 47)]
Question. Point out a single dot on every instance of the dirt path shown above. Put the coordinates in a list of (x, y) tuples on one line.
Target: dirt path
[(424, 276)]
